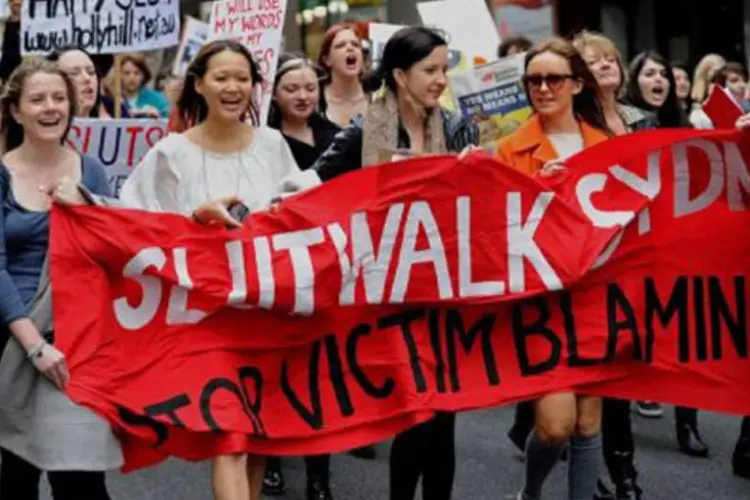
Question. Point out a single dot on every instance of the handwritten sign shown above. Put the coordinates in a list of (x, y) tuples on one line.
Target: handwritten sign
[(258, 24), (99, 26), (493, 96), (118, 144), (195, 34)]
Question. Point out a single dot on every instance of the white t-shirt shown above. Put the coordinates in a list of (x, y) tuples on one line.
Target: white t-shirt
[(566, 145), (177, 175)]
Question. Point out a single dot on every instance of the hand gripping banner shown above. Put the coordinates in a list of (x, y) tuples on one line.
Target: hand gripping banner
[(362, 307)]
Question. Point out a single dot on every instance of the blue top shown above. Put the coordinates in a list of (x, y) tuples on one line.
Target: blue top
[(24, 239), (149, 97)]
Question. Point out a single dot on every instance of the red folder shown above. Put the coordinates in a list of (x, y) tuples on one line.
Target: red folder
[(721, 108)]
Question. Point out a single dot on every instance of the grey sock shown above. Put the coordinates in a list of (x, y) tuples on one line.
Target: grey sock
[(583, 469), (540, 460)]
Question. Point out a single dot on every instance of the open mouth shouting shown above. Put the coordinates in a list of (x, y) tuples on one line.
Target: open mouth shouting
[(352, 62), (232, 104)]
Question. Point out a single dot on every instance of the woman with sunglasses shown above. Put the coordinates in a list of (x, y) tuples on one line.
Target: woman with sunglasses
[(567, 118)]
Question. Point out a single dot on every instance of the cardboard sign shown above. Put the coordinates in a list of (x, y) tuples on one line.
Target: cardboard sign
[(195, 33), (493, 95), (99, 27), (358, 309), (259, 25), (118, 144)]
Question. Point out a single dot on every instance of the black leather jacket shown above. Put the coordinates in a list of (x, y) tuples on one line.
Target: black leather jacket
[(345, 153), (637, 119)]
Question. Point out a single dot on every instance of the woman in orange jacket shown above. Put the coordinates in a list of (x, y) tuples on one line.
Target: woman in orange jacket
[(568, 118)]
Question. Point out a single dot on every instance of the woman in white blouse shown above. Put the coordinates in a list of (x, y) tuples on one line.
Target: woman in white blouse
[(221, 157)]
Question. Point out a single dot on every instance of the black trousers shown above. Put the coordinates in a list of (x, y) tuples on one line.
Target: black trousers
[(317, 466), (427, 451), (19, 480)]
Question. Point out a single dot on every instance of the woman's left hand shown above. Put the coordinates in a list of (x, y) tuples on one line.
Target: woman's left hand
[(217, 211), (468, 150), (743, 122)]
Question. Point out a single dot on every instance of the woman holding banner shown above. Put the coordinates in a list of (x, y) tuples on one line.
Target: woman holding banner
[(79, 66), (40, 427), (405, 119), (568, 118), (652, 87), (294, 112), (605, 62), (220, 157)]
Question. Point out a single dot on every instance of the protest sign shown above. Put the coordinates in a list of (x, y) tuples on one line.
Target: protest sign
[(99, 27), (363, 306), (118, 144), (533, 19), (194, 35), (259, 25), (493, 95), (379, 35), (468, 24)]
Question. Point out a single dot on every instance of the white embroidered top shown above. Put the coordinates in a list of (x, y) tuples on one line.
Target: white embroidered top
[(177, 175)]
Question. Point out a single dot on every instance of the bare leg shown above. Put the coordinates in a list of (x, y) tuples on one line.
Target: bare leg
[(229, 477), (256, 470)]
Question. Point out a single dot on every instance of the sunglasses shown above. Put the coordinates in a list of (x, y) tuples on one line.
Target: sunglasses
[(554, 82)]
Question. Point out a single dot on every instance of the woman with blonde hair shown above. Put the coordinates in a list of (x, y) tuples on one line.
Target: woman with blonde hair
[(605, 62), (702, 77)]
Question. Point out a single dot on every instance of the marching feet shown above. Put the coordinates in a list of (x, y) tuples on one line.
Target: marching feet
[(318, 489), (690, 441)]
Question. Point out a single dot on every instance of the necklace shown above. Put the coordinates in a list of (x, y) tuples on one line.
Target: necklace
[(240, 174)]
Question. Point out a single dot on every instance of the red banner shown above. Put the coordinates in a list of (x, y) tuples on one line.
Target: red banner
[(363, 306)]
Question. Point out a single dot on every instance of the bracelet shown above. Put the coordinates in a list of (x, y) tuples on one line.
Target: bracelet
[(36, 351)]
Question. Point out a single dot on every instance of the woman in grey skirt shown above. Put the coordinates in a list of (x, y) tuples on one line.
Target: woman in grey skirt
[(41, 429)]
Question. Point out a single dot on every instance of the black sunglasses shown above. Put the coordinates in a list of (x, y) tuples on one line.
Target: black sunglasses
[(554, 82)]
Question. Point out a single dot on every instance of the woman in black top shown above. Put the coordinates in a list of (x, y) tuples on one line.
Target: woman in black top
[(294, 112), (652, 87), (406, 115)]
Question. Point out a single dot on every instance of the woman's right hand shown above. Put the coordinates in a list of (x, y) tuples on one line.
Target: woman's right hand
[(217, 211), (65, 192), (51, 362)]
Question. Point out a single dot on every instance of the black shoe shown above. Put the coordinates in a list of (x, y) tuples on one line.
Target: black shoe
[(741, 459), (603, 492), (690, 441), (624, 476), (318, 490), (364, 453), (273, 483), (649, 409)]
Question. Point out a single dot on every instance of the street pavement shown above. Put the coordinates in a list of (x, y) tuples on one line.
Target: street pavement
[(487, 467)]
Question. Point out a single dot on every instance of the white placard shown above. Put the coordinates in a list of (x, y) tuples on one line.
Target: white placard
[(195, 33), (259, 25), (535, 22), (468, 24), (118, 144), (379, 35), (99, 26)]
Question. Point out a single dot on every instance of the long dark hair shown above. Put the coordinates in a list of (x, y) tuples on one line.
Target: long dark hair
[(11, 131), (55, 57), (288, 62), (587, 103), (670, 114), (404, 49), (192, 106)]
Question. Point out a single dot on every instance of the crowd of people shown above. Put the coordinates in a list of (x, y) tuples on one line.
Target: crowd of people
[(327, 118)]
